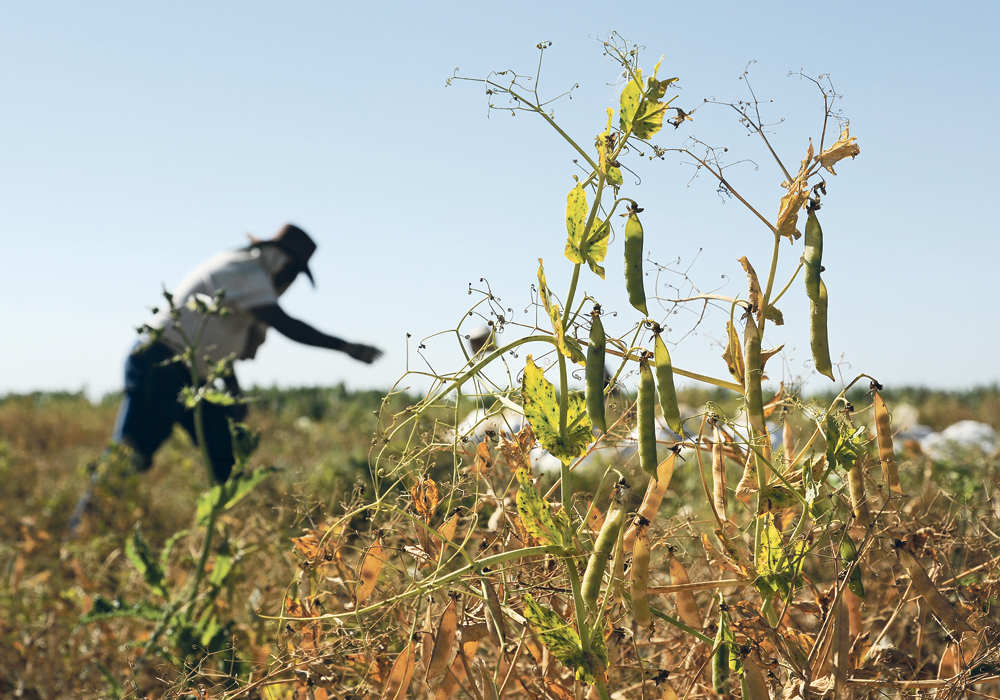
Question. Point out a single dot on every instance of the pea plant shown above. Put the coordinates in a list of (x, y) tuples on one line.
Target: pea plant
[(182, 597), (502, 587)]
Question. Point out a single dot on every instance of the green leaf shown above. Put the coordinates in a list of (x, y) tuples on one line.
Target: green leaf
[(105, 609), (219, 398), (776, 497), (141, 555), (223, 565), (537, 516), (771, 549), (564, 642), (206, 502), (567, 346), (541, 407), (169, 546)]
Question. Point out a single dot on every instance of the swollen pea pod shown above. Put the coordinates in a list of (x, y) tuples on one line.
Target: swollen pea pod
[(848, 553), (812, 256), (720, 657), (812, 259), (595, 371), (665, 384), (818, 338), (633, 262), (646, 417), (604, 545)]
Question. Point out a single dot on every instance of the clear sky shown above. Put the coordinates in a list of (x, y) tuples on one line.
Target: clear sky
[(138, 139)]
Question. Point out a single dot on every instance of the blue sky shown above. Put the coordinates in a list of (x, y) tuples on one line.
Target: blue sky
[(139, 139)]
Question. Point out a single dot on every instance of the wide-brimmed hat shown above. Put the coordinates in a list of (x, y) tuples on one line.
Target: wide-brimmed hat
[(296, 243)]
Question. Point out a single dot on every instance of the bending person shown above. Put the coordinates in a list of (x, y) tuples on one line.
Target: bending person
[(251, 279)]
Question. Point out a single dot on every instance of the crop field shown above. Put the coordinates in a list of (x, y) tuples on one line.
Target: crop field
[(320, 439)]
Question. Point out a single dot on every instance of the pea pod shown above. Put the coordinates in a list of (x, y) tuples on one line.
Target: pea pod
[(654, 497), (812, 256), (633, 263), (595, 371), (665, 384), (859, 499), (818, 338), (638, 574), (646, 417), (720, 656), (848, 553), (604, 545)]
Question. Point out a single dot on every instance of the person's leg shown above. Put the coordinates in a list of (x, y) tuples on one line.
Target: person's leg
[(149, 407), (218, 439)]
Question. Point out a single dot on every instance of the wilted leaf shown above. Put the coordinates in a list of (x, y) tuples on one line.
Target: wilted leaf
[(537, 515), (541, 408), (484, 461), (564, 642), (567, 346), (788, 212), (756, 297), (425, 495), (629, 102), (650, 120), (766, 355), (734, 354), (774, 315), (843, 148)]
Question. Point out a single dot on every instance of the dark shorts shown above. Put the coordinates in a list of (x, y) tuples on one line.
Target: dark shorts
[(151, 406)]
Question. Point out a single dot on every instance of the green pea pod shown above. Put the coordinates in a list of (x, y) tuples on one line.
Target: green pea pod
[(812, 256), (848, 553), (595, 371), (646, 417), (633, 264), (665, 385), (604, 545), (720, 657), (818, 338)]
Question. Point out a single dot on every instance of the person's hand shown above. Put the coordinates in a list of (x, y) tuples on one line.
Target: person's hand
[(363, 353)]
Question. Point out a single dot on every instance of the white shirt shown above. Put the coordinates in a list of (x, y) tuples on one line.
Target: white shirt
[(246, 278)]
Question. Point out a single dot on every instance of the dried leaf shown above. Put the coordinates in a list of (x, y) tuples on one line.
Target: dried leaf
[(788, 212), (756, 298), (425, 496), (484, 461), (734, 354), (843, 148)]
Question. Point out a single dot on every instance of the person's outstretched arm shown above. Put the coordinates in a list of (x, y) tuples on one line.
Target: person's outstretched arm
[(302, 332)]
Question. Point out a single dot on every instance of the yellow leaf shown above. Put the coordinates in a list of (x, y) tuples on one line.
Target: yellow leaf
[(843, 148)]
